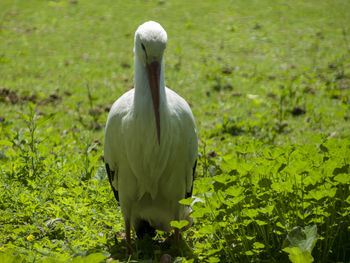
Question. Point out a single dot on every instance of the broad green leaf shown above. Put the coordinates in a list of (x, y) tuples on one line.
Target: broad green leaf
[(247, 166), (235, 200), (303, 238), (213, 259), (92, 258), (50, 260), (207, 229), (179, 224), (342, 178), (7, 257), (234, 191), (260, 223), (320, 193), (280, 225), (223, 178), (258, 245), (6, 143), (229, 163), (252, 213), (282, 187), (187, 201), (297, 256), (200, 211)]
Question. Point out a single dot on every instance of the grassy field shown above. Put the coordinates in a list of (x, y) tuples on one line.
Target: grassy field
[(268, 83)]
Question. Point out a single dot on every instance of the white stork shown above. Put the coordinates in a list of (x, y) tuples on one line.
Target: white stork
[(150, 147)]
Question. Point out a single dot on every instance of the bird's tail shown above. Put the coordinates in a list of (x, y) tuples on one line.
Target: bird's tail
[(144, 228)]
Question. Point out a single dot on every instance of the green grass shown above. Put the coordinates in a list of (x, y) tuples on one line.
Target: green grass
[(268, 83)]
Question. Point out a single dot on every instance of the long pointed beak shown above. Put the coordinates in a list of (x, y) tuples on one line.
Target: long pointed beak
[(153, 72)]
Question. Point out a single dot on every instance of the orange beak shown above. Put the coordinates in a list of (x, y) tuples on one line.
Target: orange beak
[(153, 72)]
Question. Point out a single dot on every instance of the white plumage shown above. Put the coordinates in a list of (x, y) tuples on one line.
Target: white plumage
[(150, 146)]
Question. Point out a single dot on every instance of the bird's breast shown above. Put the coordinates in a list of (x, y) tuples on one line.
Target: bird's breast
[(147, 158)]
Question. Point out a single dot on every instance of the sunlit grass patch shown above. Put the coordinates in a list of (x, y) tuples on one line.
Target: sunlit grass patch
[(268, 84)]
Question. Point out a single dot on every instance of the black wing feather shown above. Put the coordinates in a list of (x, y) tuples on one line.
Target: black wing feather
[(189, 194), (111, 178)]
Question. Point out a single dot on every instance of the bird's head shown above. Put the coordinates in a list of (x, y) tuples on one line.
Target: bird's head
[(150, 43)]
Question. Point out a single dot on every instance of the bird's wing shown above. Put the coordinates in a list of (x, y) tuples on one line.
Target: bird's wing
[(189, 133), (111, 179), (112, 147), (189, 193), (193, 153), (192, 143)]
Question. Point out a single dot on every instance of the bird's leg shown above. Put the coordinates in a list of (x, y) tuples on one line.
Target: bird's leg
[(128, 238), (176, 236)]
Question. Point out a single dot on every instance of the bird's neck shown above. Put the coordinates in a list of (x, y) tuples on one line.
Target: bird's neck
[(142, 89)]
